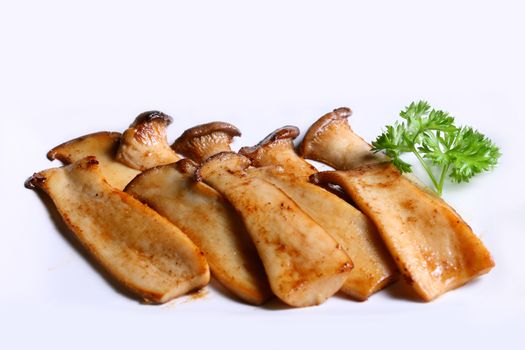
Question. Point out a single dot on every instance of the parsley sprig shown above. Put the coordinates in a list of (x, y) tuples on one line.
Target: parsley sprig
[(459, 152)]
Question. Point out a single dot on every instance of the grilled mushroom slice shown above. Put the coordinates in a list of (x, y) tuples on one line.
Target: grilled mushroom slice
[(304, 264), (373, 266), (144, 144), (103, 146), (433, 247), (210, 222), (205, 140), (138, 247)]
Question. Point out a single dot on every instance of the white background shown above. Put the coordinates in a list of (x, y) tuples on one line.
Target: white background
[(71, 68)]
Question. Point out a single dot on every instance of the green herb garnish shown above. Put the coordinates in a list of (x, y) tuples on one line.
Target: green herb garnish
[(459, 152)]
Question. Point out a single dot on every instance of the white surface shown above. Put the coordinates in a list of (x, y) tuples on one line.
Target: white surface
[(70, 69)]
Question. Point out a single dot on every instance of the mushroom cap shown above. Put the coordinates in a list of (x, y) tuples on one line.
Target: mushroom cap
[(149, 116), (288, 132), (184, 140), (317, 127), (144, 144)]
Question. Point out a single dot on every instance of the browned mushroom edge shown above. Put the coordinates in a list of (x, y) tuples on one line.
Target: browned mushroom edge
[(38, 180), (145, 173), (324, 179), (288, 132), (54, 153), (321, 178), (320, 125), (183, 144), (222, 156), (187, 166), (35, 181)]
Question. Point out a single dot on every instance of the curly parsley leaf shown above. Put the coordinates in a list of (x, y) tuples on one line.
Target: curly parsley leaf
[(460, 152)]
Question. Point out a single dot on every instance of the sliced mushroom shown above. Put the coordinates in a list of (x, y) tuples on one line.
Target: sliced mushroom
[(103, 146), (205, 140), (138, 247), (433, 247), (144, 144), (331, 140), (304, 264), (173, 192), (373, 266), (210, 222)]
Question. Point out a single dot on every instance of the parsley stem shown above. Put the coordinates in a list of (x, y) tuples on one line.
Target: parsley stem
[(427, 169), (442, 179)]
